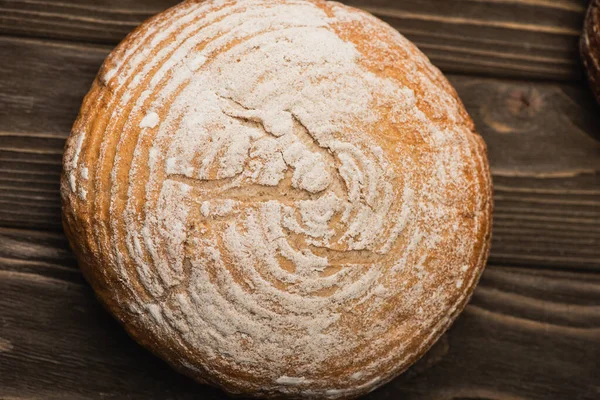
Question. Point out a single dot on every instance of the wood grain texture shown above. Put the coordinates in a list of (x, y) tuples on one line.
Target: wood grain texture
[(526, 334), (515, 38), (546, 167)]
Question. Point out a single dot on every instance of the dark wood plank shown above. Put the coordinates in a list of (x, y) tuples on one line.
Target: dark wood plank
[(41, 87), (527, 333), (546, 167), (522, 38), (515, 38), (546, 221)]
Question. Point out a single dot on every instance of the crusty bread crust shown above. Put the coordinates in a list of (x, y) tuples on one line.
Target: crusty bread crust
[(280, 198), (590, 47)]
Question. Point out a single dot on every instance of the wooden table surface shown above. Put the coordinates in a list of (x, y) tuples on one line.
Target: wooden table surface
[(532, 329)]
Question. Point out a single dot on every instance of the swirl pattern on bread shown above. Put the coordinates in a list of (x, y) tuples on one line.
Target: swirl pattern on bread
[(278, 197)]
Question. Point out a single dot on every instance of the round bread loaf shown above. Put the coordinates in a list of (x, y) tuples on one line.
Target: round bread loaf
[(590, 46), (278, 197)]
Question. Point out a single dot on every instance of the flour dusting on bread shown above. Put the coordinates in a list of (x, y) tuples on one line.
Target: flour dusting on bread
[(284, 197)]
